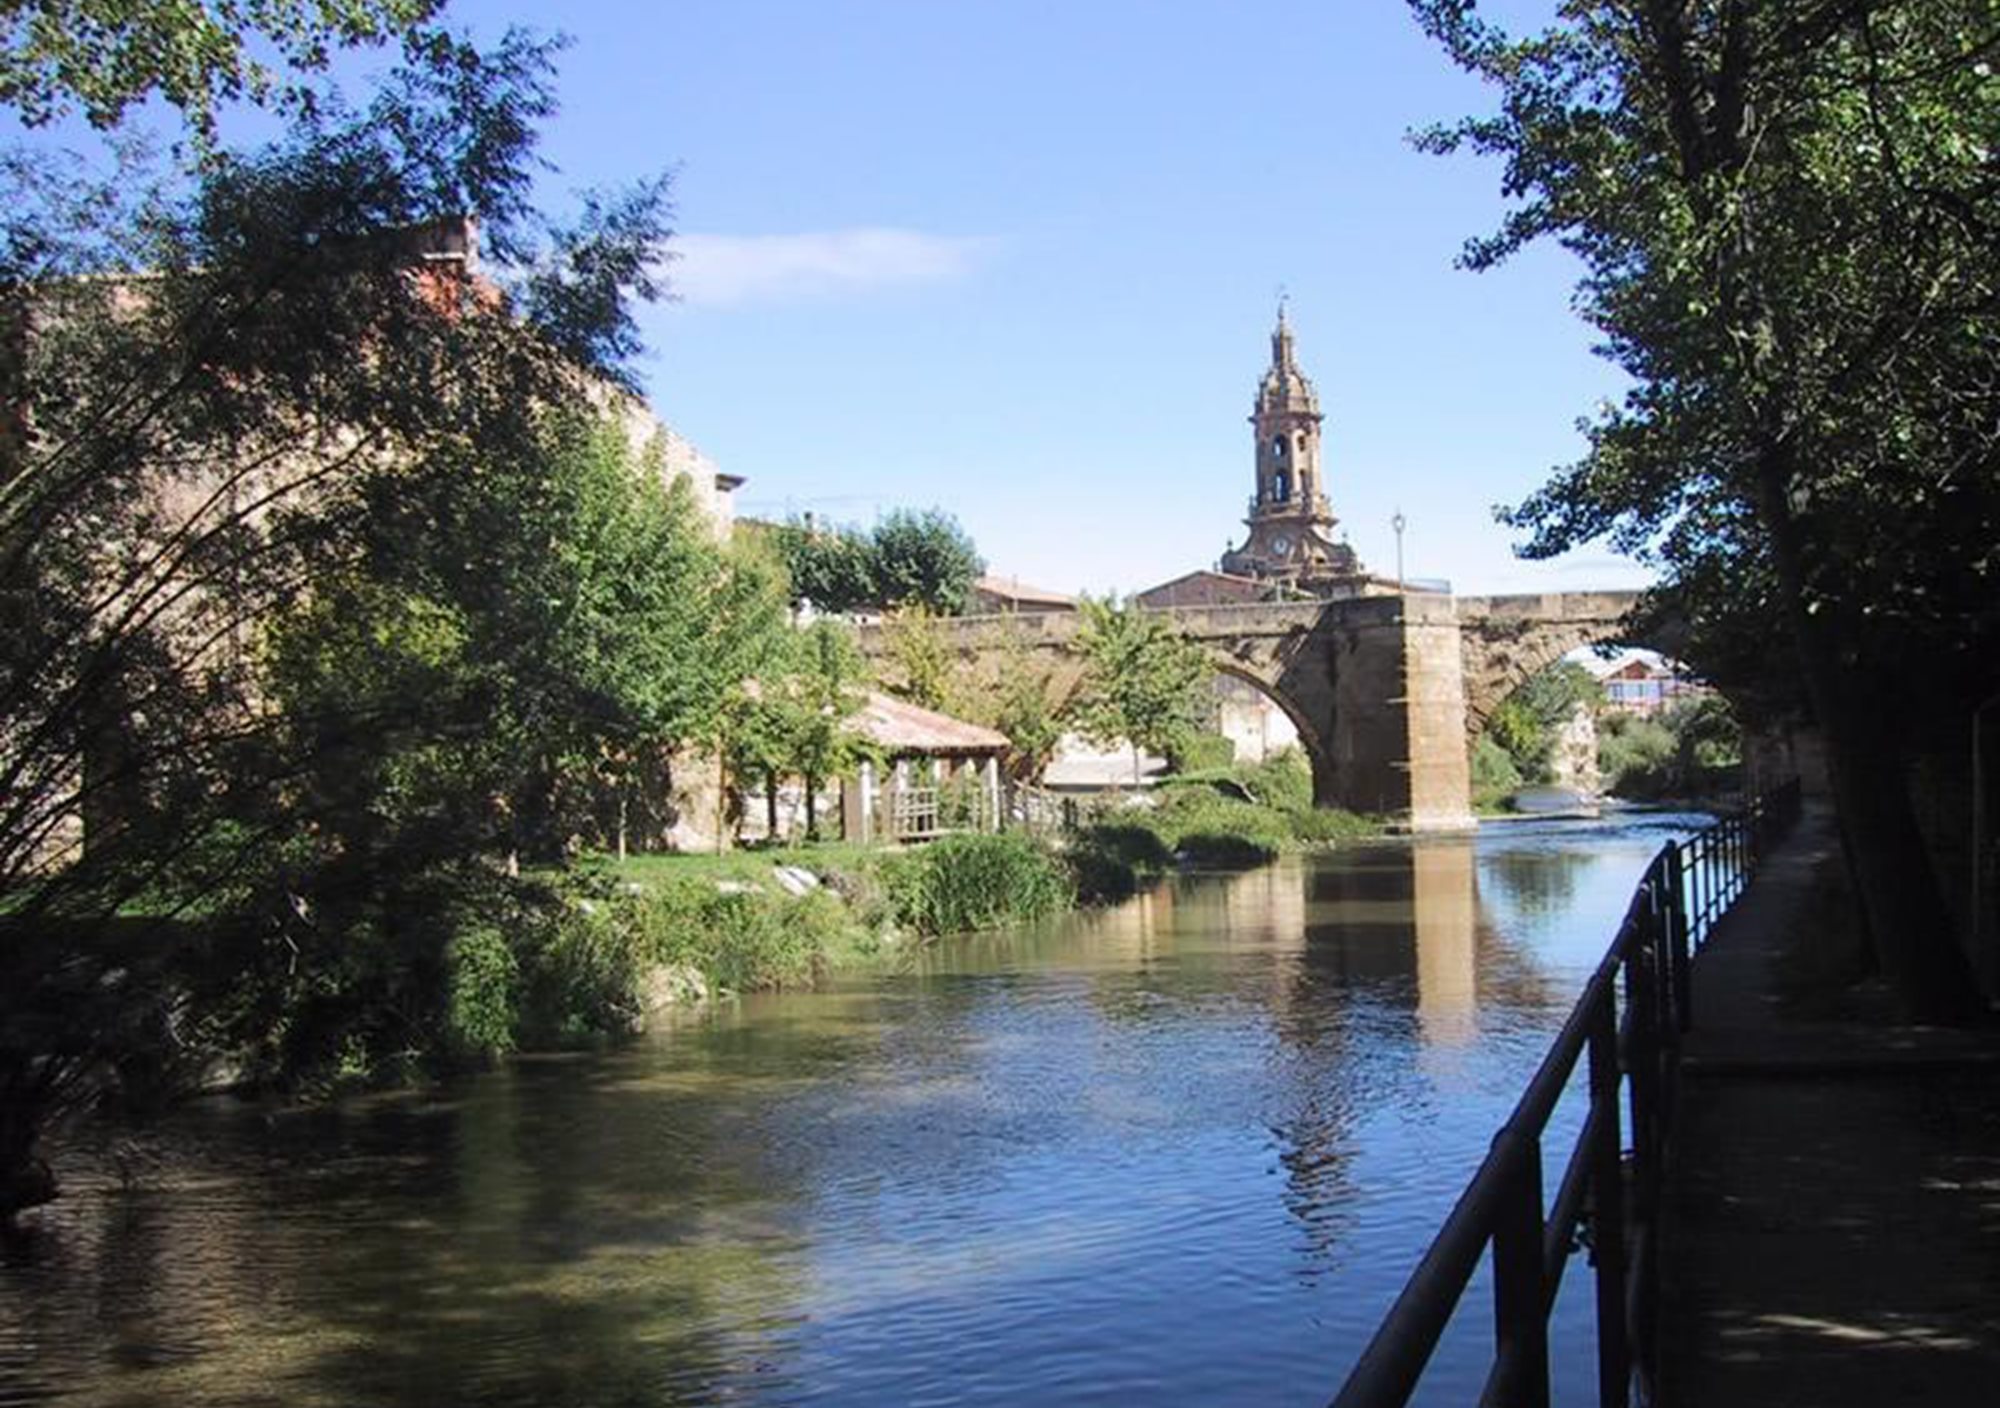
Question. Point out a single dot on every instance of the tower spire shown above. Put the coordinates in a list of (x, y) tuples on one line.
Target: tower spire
[(1281, 337)]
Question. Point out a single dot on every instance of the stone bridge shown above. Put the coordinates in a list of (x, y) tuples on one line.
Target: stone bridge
[(1387, 692)]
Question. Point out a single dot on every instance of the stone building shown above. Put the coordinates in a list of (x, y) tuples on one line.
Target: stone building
[(1291, 522), (1204, 588), (994, 595), (1291, 550)]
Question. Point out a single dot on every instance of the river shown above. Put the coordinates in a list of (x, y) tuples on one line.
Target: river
[(1186, 1149)]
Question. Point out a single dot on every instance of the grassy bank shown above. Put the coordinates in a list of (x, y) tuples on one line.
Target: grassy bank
[(629, 937), (1232, 817), (637, 934)]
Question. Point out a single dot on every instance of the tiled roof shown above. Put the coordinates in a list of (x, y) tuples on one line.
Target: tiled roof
[(901, 727)]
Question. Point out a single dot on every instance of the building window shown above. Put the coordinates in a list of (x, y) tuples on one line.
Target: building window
[(1281, 486), (1278, 448)]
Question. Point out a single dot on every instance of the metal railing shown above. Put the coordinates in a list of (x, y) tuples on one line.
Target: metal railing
[(1626, 1028)]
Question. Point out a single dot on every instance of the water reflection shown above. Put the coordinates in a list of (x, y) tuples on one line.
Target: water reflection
[(1186, 1148)]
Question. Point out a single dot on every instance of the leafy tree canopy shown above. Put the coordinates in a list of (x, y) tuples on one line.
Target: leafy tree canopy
[(908, 559), (101, 57), (1785, 212), (321, 575), (1143, 682)]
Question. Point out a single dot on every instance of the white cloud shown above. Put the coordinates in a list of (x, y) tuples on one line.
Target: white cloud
[(724, 269)]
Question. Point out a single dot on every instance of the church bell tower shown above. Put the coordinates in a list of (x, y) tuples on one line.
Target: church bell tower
[(1290, 522)]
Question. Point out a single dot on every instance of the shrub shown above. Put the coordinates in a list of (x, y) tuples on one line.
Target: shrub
[(1283, 780), (1495, 777), (960, 883), (481, 982), (1637, 757), (581, 960), (1106, 860), (1326, 826), (1202, 752), (1207, 829)]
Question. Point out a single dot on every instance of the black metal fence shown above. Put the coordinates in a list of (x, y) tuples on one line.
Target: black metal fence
[(1626, 1031)]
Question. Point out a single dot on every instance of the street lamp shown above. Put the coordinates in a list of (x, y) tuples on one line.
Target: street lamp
[(1399, 523)]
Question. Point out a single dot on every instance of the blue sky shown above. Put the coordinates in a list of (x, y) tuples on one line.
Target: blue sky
[(1019, 260)]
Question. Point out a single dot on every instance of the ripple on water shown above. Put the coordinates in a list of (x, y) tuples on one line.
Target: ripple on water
[(1186, 1149)]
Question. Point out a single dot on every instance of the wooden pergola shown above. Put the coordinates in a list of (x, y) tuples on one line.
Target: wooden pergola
[(940, 774)]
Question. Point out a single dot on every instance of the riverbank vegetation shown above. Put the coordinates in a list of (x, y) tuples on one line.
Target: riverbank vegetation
[(1238, 815), (1692, 749), (1689, 750), (348, 592)]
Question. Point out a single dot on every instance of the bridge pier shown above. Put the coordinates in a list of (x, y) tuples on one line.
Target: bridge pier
[(1397, 735)]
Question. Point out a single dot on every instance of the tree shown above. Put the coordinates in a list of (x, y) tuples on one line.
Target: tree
[(1143, 682), (799, 724), (927, 668), (103, 56), (285, 373), (1025, 708), (1527, 722), (1786, 214), (585, 625), (925, 560), (908, 560), (832, 568)]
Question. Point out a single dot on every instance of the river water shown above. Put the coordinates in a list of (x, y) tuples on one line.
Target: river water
[(1186, 1149)]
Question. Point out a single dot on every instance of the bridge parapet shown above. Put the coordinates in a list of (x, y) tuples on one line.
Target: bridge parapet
[(1548, 608)]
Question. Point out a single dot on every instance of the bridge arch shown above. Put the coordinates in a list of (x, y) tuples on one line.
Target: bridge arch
[(1311, 740), (1505, 646)]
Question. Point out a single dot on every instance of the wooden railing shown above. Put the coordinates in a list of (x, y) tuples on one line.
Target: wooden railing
[(1626, 1029), (915, 814)]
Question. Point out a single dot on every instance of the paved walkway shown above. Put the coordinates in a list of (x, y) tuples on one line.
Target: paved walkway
[(1832, 1226)]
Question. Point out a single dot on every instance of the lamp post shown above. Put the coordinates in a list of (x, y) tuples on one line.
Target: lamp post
[(1399, 523)]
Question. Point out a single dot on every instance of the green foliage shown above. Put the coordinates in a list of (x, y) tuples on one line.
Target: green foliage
[(1015, 696), (587, 962), (1240, 815), (1025, 709), (1283, 780), (519, 631), (1200, 751), (581, 961), (926, 666), (960, 883), (740, 939), (1143, 682), (924, 559), (1327, 826), (792, 717), (1636, 757), (1495, 774), (1125, 843), (1691, 749), (314, 593), (1526, 724), (104, 56), (908, 559), (1108, 859), (1786, 217), (483, 976), (832, 568), (1207, 829)]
